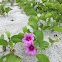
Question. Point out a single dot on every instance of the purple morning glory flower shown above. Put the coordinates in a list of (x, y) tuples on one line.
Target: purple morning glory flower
[(28, 38), (30, 48)]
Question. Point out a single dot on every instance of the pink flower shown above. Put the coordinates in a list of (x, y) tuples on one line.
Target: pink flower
[(30, 48), (28, 38)]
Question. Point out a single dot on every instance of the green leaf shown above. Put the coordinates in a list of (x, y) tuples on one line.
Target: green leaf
[(12, 3), (21, 34), (33, 18), (51, 41), (11, 58), (17, 1), (39, 35), (17, 38), (42, 58), (55, 24), (48, 22), (8, 34), (42, 17), (3, 42), (34, 3), (28, 31), (2, 9), (41, 26), (43, 45), (57, 40), (37, 44), (30, 11), (2, 36), (48, 15), (56, 28), (24, 29), (21, 4), (33, 24), (7, 9), (11, 44), (3, 2), (8, 0), (1, 60), (46, 27)]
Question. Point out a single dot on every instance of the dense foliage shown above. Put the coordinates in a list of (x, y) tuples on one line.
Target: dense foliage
[(4, 10)]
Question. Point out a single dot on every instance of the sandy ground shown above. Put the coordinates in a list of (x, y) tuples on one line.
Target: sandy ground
[(20, 20)]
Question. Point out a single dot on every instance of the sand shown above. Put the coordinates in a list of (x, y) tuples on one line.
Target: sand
[(14, 22)]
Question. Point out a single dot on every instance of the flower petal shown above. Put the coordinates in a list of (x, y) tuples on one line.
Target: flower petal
[(27, 52), (28, 44), (24, 40), (34, 47), (26, 34), (33, 52), (32, 38), (31, 35), (32, 43)]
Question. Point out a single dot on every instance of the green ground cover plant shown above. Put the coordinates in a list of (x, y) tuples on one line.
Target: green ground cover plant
[(48, 10), (4, 10)]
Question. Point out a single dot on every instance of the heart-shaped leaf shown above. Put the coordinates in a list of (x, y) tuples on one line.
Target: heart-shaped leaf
[(42, 58), (43, 45), (24, 29), (34, 18), (56, 28), (8, 34), (17, 38), (33, 24), (10, 58), (39, 35), (2, 36), (8, 9), (3, 42)]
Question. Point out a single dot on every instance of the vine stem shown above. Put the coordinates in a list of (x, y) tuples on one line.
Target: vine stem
[(4, 48)]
